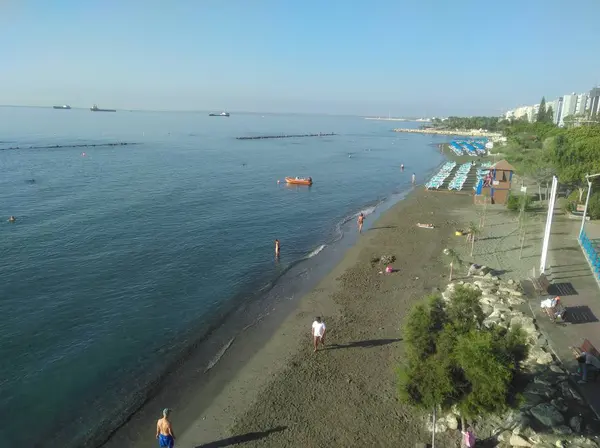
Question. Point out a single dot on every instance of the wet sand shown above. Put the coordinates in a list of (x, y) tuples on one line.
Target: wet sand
[(271, 390)]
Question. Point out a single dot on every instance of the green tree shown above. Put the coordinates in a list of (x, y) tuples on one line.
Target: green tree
[(549, 115), (594, 206), (542, 114), (452, 359), (575, 154)]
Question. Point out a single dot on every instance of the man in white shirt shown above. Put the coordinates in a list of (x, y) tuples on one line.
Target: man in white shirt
[(318, 332)]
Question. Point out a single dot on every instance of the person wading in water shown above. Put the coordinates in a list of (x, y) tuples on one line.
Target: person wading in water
[(277, 248), (164, 431)]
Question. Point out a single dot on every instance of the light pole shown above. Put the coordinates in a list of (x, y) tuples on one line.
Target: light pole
[(587, 199)]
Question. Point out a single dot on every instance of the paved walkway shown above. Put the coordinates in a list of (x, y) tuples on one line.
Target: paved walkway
[(572, 279)]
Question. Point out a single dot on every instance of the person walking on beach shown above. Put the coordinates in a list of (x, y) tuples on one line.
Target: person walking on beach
[(360, 221), (164, 430), (414, 179), (318, 332), (277, 248)]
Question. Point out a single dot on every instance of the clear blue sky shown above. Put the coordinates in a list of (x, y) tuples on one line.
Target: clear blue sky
[(419, 57)]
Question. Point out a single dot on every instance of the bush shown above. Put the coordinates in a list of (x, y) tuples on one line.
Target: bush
[(452, 359), (516, 202), (594, 206)]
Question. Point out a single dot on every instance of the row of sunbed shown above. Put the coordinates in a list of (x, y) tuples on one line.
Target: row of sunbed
[(436, 181)]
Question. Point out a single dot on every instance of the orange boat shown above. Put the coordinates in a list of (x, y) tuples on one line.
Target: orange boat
[(299, 180)]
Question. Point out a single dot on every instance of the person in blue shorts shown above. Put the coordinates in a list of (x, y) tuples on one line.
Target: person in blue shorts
[(164, 430)]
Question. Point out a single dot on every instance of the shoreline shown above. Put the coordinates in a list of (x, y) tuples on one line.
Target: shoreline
[(208, 363), (466, 133), (209, 403)]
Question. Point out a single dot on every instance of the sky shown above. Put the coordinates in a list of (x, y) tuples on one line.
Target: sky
[(378, 57)]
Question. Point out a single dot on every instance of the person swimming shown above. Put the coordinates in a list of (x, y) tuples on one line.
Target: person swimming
[(164, 430), (12, 219), (402, 167)]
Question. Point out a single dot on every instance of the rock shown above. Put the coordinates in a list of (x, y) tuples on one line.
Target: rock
[(504, 436), (420, 445), (547, 415), (495, 278), (526, 324), (515, 301), (545, 358), (452, 422), (487, 309), (562, 430), (583, 442), (517, 420), (488, 276), (576, 423), (511, 282), (555, 368), (516, 440), (530, 400), (575, 394), (490, 321), (540, 389), (560, 404), (568, 392)]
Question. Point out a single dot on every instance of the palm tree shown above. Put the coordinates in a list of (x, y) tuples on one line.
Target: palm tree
[(472, 233), (454, 259)]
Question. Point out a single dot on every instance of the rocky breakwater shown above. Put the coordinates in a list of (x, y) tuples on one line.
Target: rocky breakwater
[(550, 411), (459, 132)]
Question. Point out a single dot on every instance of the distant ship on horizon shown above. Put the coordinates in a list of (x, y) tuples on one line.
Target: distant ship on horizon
[(95, 108), (222, 114), (64, 106)]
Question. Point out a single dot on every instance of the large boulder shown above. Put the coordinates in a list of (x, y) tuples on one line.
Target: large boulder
[(576, 423), (452, 422), (560, 404), (547, 415), (516, 440), (526, 324)]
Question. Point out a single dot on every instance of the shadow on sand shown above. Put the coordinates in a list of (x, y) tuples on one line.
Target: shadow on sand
[(364, 344), (243, 438)]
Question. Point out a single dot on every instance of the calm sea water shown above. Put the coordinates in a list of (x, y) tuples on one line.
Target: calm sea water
[(118, 254)]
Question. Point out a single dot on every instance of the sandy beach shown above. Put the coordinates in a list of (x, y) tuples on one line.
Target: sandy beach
[(269, 389)]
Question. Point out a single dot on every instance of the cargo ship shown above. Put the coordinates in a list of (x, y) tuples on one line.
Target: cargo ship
[(222, 114), (95, 108), (64, 106)]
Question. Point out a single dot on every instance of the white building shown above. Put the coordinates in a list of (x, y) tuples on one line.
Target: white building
[(569, 107), (582, 103)]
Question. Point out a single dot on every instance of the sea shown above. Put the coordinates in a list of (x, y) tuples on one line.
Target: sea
[(122, 256)]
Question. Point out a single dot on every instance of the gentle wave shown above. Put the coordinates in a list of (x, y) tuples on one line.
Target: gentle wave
[(213, 362), (316, 251)]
